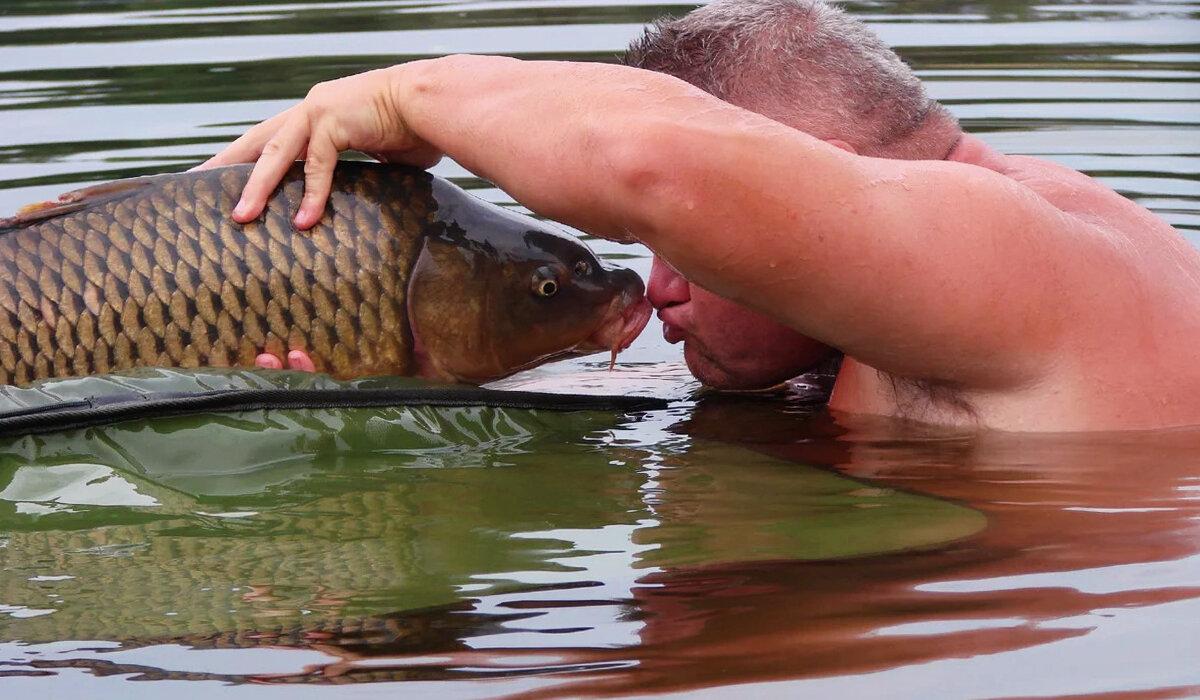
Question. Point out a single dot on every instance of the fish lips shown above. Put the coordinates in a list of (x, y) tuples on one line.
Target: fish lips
[(624, 322)]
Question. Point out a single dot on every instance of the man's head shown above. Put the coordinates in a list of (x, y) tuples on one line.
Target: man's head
[(812, 67), (806, 64)]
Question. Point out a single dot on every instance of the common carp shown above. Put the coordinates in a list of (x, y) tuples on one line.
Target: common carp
[(406, 274)]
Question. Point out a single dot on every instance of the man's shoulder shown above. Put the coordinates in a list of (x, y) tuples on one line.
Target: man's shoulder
[(1067, 189)]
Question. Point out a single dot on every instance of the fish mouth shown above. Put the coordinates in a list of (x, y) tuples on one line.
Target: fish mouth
[(636, 318), (621, 326), (622, 323)]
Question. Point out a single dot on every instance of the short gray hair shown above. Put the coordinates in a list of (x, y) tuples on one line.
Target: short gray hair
[(805, 63)]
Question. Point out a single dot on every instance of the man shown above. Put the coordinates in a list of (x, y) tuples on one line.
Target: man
[(962, 285)]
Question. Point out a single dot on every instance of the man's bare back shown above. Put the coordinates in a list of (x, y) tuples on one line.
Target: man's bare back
[(1130, 365)]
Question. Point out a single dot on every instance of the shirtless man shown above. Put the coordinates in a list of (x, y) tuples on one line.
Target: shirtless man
[(963, 286)]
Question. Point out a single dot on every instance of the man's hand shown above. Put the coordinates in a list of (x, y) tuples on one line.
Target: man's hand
[(296, 359), (359, 112)]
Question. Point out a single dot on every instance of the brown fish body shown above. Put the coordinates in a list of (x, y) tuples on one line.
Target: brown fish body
[(153, 271)]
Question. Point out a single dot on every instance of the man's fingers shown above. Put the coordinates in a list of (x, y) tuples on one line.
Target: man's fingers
[(244, 149), (278, 155), (318, 179), (240, 151), (299, 360), (268, 361), (263, 180), (247, 147), (296, 359)]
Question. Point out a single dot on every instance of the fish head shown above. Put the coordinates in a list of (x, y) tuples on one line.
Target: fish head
[(512, 293)]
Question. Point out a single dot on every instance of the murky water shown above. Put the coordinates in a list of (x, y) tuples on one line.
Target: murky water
[(727, 546)]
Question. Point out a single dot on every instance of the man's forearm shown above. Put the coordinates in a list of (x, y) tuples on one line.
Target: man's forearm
[(572, 141)]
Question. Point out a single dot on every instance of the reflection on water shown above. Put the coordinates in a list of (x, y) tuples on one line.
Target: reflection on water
[(728, 541), (325, 514), (736, 540)]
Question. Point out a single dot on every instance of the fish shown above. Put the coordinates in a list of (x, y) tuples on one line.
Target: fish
[(406, 274)]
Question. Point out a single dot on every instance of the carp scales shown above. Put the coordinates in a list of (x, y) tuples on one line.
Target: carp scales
[(406, 274)]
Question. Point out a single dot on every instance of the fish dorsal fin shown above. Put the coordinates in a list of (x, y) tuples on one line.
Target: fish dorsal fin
[(73, 201)]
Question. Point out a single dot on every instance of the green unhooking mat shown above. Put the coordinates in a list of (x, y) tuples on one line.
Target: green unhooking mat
[(257, 522)]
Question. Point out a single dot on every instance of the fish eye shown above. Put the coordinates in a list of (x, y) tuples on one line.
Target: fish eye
[(582, 268), (544, 286)]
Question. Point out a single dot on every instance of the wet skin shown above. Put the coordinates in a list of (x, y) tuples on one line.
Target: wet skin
[(726, 345)]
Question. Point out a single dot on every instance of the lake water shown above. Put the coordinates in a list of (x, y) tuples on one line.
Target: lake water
[(725, 547)]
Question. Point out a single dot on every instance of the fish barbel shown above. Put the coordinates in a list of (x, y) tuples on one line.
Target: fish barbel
[(406, 274)]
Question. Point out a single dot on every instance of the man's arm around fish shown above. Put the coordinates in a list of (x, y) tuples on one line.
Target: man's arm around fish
[(1047, 299)]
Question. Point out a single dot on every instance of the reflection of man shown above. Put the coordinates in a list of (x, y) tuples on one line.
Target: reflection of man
[(962, 285)]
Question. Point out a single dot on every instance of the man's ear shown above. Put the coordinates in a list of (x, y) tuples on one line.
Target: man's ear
[(838, 143)]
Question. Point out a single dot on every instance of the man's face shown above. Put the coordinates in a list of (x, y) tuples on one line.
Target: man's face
[(726, 345)]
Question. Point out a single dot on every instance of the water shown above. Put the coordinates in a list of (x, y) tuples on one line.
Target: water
[(726, 547)]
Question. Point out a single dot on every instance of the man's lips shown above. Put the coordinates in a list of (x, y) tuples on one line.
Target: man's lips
[(671, 324)]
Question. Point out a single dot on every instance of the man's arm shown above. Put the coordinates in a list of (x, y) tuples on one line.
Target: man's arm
[(925, 269)]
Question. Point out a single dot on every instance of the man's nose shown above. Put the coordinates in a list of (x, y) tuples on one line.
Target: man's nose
[(666, 286)]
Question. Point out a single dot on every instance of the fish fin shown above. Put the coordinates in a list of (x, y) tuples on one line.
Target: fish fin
[(72, 202)]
